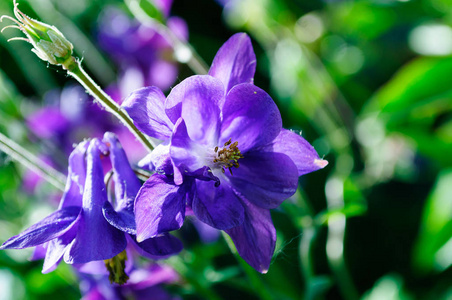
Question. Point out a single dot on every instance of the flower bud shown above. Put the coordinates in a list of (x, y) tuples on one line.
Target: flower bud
[(48, 42)]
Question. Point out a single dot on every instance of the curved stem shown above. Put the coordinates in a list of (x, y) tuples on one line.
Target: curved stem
[(75, 69), (30, 161)]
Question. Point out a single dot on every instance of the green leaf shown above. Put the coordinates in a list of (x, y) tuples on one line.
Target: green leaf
[(436, 226), (147, 7), (415, 103), (423, 78)]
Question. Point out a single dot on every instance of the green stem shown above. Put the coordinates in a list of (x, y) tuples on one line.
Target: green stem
[(302, 214), (194, 62), (254, 278), (336, 260), (306, 260), (335, 244), (30, 161), (75, 69)]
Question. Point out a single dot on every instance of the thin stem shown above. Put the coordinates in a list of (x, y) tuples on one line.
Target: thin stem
[(182, 48), (75, 70), (308, 237), (335, 244), (335, 254), (302, 214), (30, 161)]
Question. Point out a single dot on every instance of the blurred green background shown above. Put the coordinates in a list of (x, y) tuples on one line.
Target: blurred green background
[(369, 85)]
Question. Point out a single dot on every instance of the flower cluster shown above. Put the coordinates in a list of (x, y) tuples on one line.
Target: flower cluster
[(223, 157)]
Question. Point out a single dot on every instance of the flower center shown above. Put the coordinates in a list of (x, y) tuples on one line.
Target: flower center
[(227, 157)]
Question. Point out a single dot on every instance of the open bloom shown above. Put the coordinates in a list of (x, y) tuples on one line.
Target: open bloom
[(224, 154), (86, 227)]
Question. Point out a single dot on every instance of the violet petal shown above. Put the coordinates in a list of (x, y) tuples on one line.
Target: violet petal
[(206, 233), (159, 207), (204, 174), (56, 249), (184, 152), (235, 62), (105, 241), (162, 73), (53, 226), (158, 160), (127, 183), (39, 252), (196, 100), (265, 178), (146, 108), (299, 150), (217, 206), (255, 239), (250, 117), (159, 247), (123, 220), (96, 267), (75, 183)]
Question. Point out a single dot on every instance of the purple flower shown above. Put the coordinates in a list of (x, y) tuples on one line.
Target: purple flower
[(224, 154), (86, 227), (121, 216)]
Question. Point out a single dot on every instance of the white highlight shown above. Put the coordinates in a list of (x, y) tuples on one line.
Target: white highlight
[(431, 39)]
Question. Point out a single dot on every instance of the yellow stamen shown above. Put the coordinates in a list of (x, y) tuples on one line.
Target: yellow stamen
[(228, 156)]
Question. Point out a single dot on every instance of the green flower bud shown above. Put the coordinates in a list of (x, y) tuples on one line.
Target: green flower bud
[(48, 42)]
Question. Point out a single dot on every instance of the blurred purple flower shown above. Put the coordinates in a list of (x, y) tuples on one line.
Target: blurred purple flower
[(144, 283), (68, 117), (143, 55), (47, 122), (68, 232), (206, 233), (224, 154)]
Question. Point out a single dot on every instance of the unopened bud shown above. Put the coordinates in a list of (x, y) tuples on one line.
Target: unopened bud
[(49, 44)]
